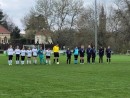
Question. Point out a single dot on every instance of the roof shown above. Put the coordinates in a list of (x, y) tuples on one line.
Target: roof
[(4, 30), (43, 32), (38, 33)]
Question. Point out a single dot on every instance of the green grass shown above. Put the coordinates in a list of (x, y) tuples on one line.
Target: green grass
[(66, 81)]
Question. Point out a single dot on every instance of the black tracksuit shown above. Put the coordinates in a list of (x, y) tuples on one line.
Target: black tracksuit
[(93, 55), (68, 52), (101, 54), (89, 52)]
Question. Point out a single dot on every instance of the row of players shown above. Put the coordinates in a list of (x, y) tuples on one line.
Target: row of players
[(91, 54), (90, 51), (30, 53)]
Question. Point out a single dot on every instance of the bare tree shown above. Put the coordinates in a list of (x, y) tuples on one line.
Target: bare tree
[(59, 14), (76, 8), (45, 8), (85, 25), (118, 23)]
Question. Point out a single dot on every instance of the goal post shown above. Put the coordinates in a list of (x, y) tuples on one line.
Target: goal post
[(28, 46), (31, 46), (128, 52)]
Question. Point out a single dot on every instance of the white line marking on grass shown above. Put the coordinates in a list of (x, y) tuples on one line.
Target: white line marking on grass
[(70, 91), (84, 90)]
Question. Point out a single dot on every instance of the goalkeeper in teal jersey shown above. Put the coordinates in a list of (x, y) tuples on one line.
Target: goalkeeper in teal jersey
[(41, 55)]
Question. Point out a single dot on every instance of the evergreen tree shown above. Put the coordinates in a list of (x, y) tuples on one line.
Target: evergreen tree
[(3, 20), (102, 28), (16, 33), (1, 17)]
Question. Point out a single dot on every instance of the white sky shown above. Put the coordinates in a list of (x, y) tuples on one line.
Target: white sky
[(17, 9)]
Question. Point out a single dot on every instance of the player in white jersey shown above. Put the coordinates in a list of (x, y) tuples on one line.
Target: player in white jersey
[(17, 52), (29, 55), (23, 53), (10, 54), (35, 51), (48, 55)]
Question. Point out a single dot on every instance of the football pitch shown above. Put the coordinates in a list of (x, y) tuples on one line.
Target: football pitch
[(66, 81)]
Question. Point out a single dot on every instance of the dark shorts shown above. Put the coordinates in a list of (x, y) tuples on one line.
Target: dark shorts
[(47, 57), (108, 56), (56, 54), (17, 56), (22, 58), (10, 57), (76, 56)]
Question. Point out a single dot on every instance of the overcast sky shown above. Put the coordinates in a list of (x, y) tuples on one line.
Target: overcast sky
[(17, 9)]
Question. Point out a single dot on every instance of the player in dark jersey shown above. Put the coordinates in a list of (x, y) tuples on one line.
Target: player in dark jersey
[(101, 54), (89, 52), (93, 55), (68, 53), (82, 53), (108, 54)]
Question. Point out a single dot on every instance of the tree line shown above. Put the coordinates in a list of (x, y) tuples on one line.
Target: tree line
[(71, 23)]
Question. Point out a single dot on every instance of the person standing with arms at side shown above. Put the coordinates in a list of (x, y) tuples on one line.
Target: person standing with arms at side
[(93, 55), (48, 56), (82, 53), (89, 52), (76, 53), (41, 55), (56, 53), (29, 55), (108, 54), (10, 53), (34, 51), (101, 54), (23, 53), (68, 53), (17, 52)]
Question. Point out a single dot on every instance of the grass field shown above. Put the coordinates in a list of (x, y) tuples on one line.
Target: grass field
[(66, 81)]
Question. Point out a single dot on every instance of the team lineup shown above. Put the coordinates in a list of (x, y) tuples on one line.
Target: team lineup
[(45, 55)]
